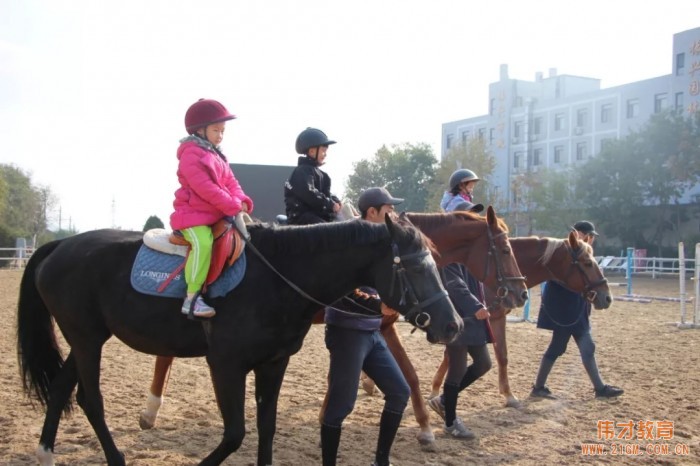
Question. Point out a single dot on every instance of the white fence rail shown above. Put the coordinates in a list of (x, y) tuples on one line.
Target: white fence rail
[(654, 266), (17, 258)]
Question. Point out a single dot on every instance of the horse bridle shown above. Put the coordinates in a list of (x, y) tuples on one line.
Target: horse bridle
[(502, 280), (398, 271), (406, 289), (588, 292)]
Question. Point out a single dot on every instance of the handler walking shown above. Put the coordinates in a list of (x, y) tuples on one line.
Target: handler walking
[(566, 314)]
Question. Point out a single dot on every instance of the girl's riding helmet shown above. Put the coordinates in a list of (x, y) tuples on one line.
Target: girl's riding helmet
[(462, 176), (205, 112)]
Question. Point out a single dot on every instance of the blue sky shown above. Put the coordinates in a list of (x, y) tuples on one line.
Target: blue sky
[(93, 93)]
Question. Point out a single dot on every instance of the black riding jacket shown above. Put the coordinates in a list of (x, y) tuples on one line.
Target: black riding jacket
[(308, 190)]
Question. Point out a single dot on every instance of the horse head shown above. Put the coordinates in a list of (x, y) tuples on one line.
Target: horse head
[(571, 263), (413, 288), (482, 245)]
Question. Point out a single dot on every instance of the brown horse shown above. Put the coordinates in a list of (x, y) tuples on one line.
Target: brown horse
[(570, 262), (480, 243)]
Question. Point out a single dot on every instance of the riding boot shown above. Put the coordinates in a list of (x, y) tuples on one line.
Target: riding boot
[(330, 439), (388, 426), (469, 378), (545, 368), (449, 395)]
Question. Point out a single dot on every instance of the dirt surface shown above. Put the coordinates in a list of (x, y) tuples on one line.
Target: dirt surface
[(656, 363)]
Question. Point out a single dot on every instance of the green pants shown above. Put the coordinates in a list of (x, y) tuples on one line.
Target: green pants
[(197, 267)]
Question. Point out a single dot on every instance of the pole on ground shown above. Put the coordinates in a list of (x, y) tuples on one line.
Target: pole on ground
[(681, 274), (630, 255)]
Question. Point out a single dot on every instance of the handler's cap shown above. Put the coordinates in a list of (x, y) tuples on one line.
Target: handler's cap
[(376, 197), (467, 206), (585, 227)]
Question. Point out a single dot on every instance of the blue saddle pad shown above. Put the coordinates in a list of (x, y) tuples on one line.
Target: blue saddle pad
[(151, 268)]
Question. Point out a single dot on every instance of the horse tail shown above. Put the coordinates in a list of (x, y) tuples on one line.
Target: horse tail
[(38, 353)]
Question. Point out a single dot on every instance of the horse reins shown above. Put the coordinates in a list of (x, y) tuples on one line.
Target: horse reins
[(398, 270), (588, 292), (502, 280)]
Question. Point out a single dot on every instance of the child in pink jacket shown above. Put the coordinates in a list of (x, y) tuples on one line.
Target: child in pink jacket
[(208, 192)]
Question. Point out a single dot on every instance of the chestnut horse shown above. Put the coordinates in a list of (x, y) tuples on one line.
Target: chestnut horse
[(480, 243), (570, 262)]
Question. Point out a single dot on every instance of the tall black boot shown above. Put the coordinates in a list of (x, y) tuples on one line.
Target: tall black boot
[(388, 426), (449, 396), (330, 439)]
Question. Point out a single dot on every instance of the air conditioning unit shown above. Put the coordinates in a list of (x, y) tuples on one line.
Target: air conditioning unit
[(578, 131)]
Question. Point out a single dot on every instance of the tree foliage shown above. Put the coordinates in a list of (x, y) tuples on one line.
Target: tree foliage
[(405, 170), (21, 213), (153, 222)]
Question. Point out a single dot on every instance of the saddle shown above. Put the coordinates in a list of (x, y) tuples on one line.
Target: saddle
[(227, 247)]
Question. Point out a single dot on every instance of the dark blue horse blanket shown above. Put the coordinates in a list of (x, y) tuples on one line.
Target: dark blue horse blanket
[(152, 268)]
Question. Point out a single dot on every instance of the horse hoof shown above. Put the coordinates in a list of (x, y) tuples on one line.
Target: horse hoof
[(513, 402), (427, 441), (146, 421), (44, 456)]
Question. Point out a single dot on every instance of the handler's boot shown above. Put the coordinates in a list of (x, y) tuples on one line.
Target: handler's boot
[(330, 439), (388, 426)]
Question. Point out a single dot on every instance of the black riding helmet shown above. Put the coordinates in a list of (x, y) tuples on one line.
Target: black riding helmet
[(311, 137)]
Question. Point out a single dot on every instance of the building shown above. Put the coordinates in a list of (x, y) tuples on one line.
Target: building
[(559, 120), (265, 185)]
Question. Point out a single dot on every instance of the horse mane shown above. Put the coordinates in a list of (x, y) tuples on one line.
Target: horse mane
[(555, 243), (447, 219), (333, 236)]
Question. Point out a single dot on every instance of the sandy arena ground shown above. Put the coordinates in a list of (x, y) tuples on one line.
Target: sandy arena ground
[(656, 363)]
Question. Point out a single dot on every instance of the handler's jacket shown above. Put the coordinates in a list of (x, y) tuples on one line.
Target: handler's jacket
[(563, 310), (465, 291), (208, 189), (308, 189), (359, 310)]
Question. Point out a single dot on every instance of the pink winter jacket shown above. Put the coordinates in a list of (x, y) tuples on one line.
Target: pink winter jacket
[(208, 190)]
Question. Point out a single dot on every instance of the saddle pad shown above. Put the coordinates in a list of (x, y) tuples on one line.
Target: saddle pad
[(152, 268)]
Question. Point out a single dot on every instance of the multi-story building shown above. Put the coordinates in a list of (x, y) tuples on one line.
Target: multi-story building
[(559, 120)]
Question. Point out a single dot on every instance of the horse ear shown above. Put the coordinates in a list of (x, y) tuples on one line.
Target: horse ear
[(403, 217), (573, 240), (490, 215)]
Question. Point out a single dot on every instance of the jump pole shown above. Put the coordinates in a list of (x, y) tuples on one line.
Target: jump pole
[(630, 257), (681, 283), (696, 277)]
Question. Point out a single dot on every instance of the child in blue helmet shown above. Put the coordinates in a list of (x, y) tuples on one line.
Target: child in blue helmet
[(462, 183)]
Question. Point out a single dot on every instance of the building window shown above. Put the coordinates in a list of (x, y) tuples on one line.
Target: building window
[(581, 117), (558, 152), (481, 133), (516, 159), (679, 102), (518, 129), (632, 108), (492, 135), (536, 156), (518, 101), (605, 113), (580, 151), (492, 106), (680, 64), (465, 137), (558, 122), (660, 102), (537, 126), (448, 142)]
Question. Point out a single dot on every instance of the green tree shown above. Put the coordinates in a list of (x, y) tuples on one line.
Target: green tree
[(473, 155), (552, 201), (405, 170), (20, 213), (153, 222)]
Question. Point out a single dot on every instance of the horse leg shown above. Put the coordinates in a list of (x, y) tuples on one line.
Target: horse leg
[(155, 397), (229, 388), (90, 400), (61, 389), (439, 376), (367, 383), (268, 382), (425, 436), (498, 326)]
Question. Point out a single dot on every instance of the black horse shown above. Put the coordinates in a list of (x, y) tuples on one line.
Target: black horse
[(83, 283)]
